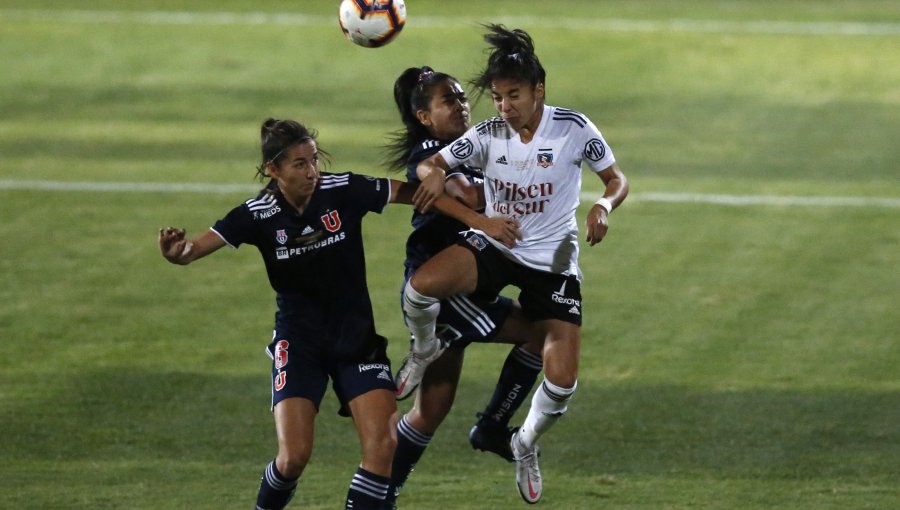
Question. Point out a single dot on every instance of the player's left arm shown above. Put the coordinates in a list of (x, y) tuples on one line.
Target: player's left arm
[(505, 230), (614, 194), (402, 192)]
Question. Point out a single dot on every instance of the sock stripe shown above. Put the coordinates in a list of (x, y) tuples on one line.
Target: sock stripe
[(364, 484), (528, 359), (557, 396), (274, 479), (413, 435), (416, 300)]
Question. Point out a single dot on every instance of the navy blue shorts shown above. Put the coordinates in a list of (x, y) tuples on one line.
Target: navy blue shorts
[(543, 295), (296, 372)]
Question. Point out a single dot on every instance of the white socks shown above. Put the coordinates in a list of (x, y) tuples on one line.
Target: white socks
[(548, 404), (421, 316)]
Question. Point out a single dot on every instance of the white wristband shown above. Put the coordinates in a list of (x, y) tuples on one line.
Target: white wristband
[(605, 203)]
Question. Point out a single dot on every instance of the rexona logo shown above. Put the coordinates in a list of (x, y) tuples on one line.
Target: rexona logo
[(560, 297), (364, 367)]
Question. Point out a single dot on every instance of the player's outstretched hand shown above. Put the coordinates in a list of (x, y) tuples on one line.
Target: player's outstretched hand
[(173, 245), (597, 224), (505, 230)]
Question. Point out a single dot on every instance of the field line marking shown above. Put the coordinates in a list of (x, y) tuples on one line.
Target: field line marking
[(843, 28), (702, 198), (749, 200), (128, 187)]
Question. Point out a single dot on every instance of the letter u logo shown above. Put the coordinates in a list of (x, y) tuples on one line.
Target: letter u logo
[(280, 381), (331, 221)]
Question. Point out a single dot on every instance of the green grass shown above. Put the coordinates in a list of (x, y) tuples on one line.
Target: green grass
[(733, 357)]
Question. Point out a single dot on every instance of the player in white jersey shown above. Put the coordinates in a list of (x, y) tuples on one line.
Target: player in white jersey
[(531, 156), (538, 183)]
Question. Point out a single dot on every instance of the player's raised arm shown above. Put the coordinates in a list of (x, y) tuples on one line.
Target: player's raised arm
[(178, 250), (614, 194)]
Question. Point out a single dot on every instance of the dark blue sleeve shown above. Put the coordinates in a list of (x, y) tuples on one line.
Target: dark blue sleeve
[(236, 228), (419, 153), (368, 193)]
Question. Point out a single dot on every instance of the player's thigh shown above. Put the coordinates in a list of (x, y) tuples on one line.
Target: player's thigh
[(518, 329), (452, 271), (562, 347), (295, 426), (375, 417)]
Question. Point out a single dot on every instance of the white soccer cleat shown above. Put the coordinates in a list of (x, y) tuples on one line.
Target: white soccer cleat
[(413, 369), (528, 474)]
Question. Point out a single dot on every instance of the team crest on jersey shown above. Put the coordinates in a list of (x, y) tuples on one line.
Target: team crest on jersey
[(332, 221), (281, 236), (545, 159), (477, 242)]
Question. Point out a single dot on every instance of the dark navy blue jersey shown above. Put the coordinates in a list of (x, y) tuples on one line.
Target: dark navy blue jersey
[(315, 260), (432, 232)]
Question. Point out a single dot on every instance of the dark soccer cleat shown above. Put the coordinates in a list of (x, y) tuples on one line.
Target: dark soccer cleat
[(489, 436)]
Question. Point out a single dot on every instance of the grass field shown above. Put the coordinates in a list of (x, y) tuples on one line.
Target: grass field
[(741, 345)]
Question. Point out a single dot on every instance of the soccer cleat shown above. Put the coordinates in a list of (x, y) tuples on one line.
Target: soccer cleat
[(413, 369), (528, 474), (489, 436)]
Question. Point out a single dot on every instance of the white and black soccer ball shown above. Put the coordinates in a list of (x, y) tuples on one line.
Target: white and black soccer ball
[(372, 23)]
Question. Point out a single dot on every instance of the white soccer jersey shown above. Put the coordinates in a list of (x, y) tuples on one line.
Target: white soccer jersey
[(537, 183)]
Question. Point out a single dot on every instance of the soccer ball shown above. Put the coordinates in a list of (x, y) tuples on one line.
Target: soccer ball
[(372, 23)]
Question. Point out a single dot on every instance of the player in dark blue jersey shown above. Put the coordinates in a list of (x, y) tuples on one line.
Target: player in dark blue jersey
[(306, 224), (435, 111)]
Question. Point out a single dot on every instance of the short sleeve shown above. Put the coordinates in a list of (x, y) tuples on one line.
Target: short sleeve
[(595, 152), (236, 228)]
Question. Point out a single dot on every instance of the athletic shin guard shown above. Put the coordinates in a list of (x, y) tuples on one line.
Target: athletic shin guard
[(411, 444), (421, 316), (548, 405), (520, 371)]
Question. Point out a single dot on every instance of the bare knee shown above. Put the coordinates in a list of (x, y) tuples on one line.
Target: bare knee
[(292, 462), (452, 271), (565, 380), (378, 452)]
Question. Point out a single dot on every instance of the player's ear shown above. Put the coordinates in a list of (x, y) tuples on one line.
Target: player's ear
[(424, 117), (272, 169), (539, 91)]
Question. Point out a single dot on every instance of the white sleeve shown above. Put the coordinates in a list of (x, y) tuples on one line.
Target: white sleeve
[(595, 150), (468, 149)]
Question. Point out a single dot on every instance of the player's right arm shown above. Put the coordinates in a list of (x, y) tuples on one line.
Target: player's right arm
[(178, 250), (432, 172), (460, 188)]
